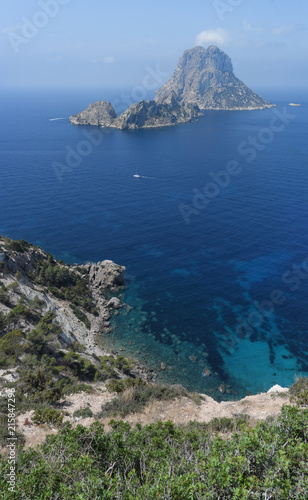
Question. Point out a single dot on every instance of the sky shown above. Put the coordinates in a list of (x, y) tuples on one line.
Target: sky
[(96, 44)]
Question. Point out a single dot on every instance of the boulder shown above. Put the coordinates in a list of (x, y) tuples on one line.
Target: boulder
[(106, 274), (277, 388), (114, 303)]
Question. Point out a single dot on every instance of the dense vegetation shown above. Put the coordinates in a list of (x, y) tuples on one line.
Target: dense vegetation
[(56, 276), (162, 461), (64, 284), (135, 395)]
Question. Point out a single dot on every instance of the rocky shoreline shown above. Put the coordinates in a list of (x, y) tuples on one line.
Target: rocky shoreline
[(106, 279)]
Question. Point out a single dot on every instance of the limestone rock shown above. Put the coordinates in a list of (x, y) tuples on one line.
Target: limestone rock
[(147, 114), (114, 303), (106, 274), (277, 388), (99, 113), (205, 77)]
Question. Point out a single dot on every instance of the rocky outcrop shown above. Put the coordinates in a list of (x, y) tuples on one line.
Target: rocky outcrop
[(99, 113), (152, 114), (105, 275), (206, 78), (114, 303)]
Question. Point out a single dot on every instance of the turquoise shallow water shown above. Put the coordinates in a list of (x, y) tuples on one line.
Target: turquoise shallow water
[(200, 292)]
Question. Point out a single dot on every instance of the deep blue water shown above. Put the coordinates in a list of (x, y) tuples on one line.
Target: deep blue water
[(195, 288)]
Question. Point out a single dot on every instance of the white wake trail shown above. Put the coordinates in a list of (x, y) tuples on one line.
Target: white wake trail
[(54, 119)]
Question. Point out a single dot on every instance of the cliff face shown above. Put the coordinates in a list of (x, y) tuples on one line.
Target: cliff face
[(152, 114), (203, 79), (99, 113), (206, 78), (20, 275)]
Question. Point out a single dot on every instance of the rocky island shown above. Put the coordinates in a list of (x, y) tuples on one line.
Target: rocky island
[(204, 79)]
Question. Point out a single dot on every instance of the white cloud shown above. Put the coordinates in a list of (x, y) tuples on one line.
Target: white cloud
[(219, 36), (108, 60), (286, 28)]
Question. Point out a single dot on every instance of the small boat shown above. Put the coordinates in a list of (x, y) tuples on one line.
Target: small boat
[(136, 174)]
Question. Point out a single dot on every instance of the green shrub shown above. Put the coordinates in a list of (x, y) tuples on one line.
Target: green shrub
[(70, 385), (81, 367), (225, 424), (11, 344), (163, 461), (38, 385), (45, 331), (19, 246), (141, 395), (299, 391), (83, 413), (81, 316), (2, 322), (49, 416), (4, 296), (18, 313), (119, 386), (108, 364), (64, 283)]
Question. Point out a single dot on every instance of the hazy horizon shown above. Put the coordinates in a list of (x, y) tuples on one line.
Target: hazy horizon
[(67, 44)]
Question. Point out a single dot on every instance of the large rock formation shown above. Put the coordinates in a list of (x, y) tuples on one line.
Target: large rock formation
[(203, 79), (206, 78)]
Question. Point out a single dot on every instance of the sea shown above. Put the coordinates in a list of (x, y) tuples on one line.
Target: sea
[(213, 234)]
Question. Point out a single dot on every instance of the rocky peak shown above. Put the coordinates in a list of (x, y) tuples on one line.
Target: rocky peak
[(100, 113), (205, 77), (201, 59)]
